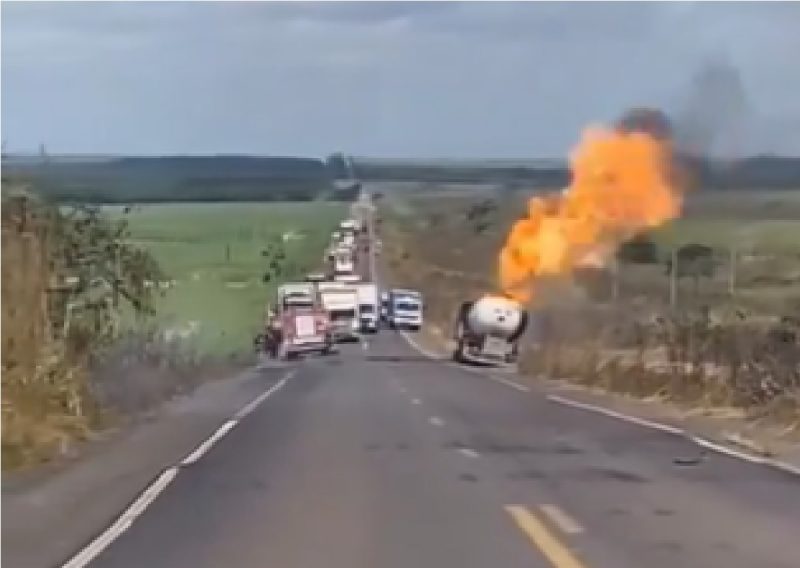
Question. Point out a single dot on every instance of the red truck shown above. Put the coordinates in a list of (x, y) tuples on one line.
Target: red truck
[(298, 330)]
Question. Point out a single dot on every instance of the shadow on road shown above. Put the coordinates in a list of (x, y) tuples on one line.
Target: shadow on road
[(403, 359)]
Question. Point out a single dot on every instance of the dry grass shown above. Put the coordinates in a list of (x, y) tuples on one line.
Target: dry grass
[(45, 404), (713, 351)]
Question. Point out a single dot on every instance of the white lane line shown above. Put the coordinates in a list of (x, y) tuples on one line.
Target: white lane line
[(561, 519), (416, 401), (365, 345), (468, 452), (198, 452), (612, 413), (253, 404), (94, 548), (436, 421), (135, 509)]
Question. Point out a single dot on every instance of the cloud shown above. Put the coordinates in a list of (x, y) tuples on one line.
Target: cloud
[(465, 79)]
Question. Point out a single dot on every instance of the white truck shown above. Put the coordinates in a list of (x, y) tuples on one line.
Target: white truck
[(368, 308), (296, 294), (340, 301), (405, 309), (487, 330), (343, 262), (348, 229)]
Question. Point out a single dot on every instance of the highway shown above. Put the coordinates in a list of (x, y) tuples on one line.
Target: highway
[(382, 457)]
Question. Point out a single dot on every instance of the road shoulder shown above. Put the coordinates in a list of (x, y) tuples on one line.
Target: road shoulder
[(725, 430), (48, 517)]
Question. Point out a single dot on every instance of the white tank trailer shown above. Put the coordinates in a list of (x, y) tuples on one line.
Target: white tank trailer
[(487, 331)]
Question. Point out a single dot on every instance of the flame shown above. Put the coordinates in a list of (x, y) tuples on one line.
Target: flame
[(622, 183)]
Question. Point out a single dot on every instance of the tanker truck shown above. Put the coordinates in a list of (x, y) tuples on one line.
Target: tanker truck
[(487, 331)]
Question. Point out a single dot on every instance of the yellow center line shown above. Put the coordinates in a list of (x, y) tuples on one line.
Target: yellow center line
[(557, 553)]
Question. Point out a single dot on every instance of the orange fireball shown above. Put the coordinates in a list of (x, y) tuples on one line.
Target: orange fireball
[(622, 183)]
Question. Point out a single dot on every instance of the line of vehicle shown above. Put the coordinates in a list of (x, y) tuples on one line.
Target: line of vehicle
[(88, 553)]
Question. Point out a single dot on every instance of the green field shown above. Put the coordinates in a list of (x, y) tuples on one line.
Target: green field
[(766, 236), (212, 253)]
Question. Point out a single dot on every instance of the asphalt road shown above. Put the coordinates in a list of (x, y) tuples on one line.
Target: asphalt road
[(381, 457)]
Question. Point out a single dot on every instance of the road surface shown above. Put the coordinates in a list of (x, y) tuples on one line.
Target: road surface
[(381, 457)]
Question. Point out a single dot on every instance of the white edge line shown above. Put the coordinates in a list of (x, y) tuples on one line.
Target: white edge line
[(206, 445), (124, 521), (468, 452), (436, 421), (708, 444), (561, 519), (253, 404), (88, 553), (614, 414), (674, 430), (777, 464)]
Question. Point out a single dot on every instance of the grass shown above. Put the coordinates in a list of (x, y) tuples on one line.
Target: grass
[(764, 235), (212, 252)]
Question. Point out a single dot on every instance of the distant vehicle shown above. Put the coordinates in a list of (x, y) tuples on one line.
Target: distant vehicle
[(348, 229), (347, 278), (405, 309), (343, 261), (316, 277), (368, 307), (340, 301), (296, 294), (487, 330)]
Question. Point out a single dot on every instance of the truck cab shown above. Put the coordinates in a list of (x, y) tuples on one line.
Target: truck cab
[(405, 309), (340, 301), (368, 307)]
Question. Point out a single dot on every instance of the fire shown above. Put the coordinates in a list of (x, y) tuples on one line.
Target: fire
[(622, 183)]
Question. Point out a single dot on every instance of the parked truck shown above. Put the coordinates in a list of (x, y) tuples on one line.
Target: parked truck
[(340, 301), (295, 324), (368, 308), (488, 330), (405, 309)]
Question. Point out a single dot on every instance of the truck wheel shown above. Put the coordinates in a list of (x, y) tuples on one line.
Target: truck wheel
[(458, 352)]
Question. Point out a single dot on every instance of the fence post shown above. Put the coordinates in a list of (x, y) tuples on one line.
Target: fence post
[(732, 271), (673, 279)]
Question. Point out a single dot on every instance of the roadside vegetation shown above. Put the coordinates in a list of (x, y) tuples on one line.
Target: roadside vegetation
[(722, 331), (108, 311)]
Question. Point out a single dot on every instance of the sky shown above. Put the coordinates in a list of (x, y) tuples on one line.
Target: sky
[(408, 79)]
